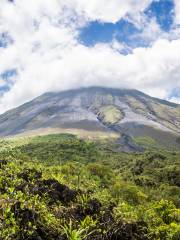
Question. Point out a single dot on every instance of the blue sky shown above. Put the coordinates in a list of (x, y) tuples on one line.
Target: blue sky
[(126, 32), (163, 12), (4, 40), (49, 45)]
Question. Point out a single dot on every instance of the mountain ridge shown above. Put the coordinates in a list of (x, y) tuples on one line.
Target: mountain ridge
[(125, 90), (124, 112), (173, 104)]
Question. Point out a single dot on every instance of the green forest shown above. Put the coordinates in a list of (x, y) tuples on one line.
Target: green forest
[(60, 187)]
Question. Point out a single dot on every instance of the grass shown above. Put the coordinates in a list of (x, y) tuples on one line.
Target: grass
[(110, 114)]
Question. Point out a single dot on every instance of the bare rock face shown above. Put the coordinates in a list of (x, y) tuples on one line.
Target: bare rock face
[(128, 112)]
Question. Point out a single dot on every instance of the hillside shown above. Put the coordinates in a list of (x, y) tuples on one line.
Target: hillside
[(59, 187), (97, 112)]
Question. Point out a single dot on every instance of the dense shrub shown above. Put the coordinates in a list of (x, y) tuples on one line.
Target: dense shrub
[(59, 187)]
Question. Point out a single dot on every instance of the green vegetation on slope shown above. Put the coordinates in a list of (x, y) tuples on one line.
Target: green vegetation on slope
[(59, 187), (110, 114)]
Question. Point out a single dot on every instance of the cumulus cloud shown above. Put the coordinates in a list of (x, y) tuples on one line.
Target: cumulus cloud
[(48, 56), (109, 11), (177, 11)]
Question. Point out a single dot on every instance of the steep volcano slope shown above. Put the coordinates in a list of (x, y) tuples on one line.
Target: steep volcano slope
[(97, 110)]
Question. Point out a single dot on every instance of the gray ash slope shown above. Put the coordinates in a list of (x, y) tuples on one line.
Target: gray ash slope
[(129, 112)]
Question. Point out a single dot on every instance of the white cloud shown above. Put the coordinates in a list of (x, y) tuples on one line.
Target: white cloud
[(177, 11), (109, 11), (175, 100), (2, 82), (49, 57)]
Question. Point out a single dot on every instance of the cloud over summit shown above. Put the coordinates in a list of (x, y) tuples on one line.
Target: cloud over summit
[(48, 55)]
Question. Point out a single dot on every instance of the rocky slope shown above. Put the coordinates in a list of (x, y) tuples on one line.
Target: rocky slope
[(97, 111)]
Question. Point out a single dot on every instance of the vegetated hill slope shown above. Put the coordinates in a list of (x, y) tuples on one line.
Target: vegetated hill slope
[(97, 111), (60, 187)]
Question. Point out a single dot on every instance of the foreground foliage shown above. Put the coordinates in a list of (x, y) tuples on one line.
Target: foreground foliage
[(59, 187)]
